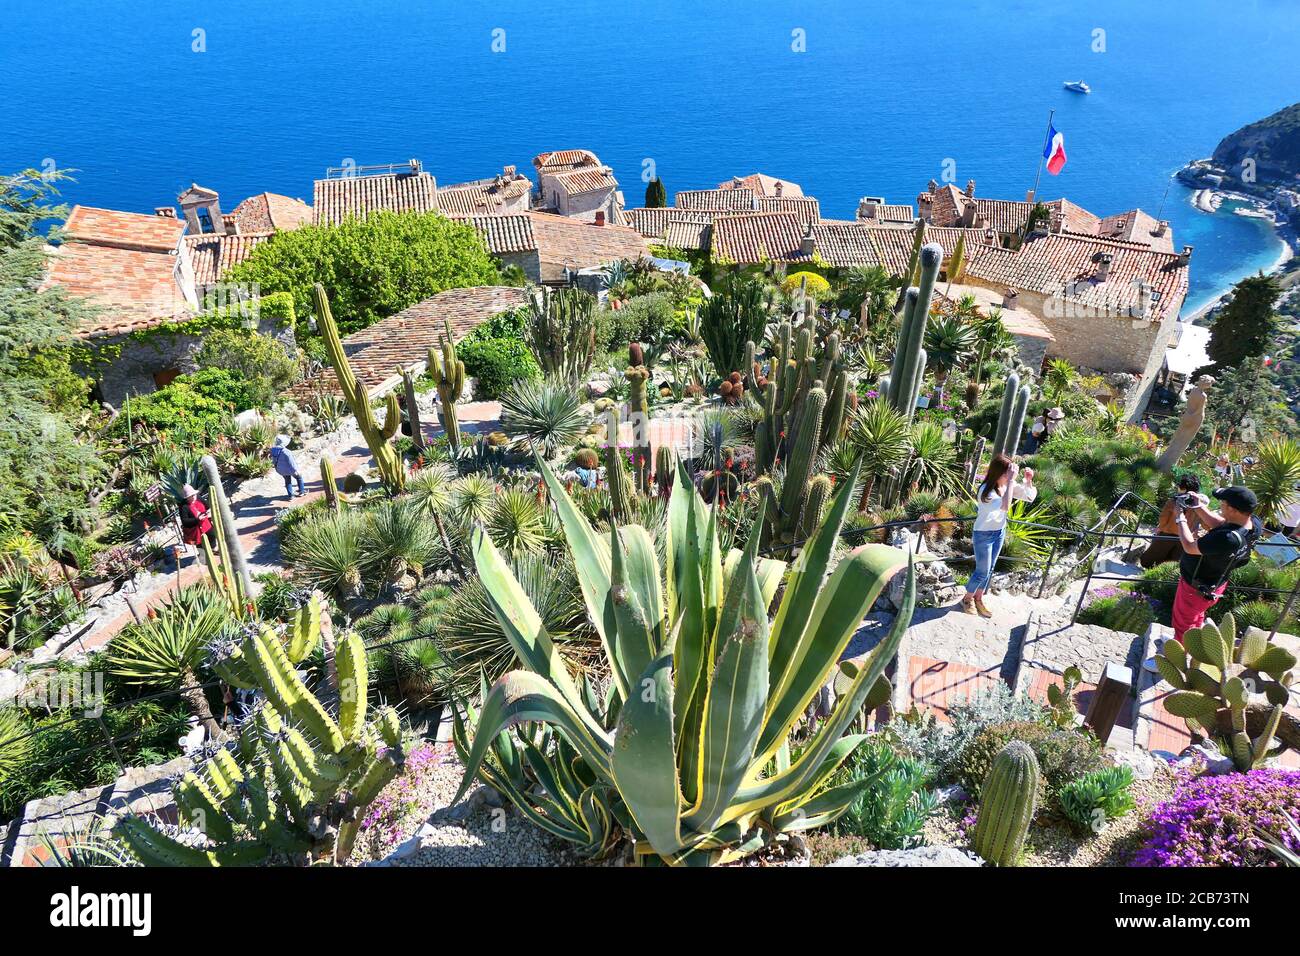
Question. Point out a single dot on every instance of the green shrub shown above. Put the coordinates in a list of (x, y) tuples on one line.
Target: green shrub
[(496, 364), (371, 268), (1131, 613), (222, 385), (1096, 798), (1063, 755), (263, 366), (892, 811), (190, 418), (504, 325), (644, 318)]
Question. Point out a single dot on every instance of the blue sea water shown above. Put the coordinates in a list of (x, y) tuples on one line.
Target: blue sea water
[(882, 97)]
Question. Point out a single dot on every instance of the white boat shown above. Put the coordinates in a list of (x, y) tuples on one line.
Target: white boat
[(1077, 86)]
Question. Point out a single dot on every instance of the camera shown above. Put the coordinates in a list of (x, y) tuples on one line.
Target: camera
[(1187, 499)]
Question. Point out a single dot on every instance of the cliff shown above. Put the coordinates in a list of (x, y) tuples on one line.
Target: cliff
[(1273, 143)]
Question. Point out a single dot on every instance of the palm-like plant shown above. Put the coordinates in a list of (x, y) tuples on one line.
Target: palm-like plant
[(693, 755), (517, 524), (542, 415), (736, 313), (871, 284), (1058, 379), (432, 487), (949, 341), (933, 465), (166, 650), (881, 435), (397, 541), (472, 498), (1275, 477), (325, 552)]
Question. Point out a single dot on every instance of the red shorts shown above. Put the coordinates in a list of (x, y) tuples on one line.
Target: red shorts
[(1190, 607)]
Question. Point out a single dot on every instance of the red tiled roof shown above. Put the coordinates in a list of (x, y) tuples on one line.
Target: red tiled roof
[(485, 197), (756, 237), (1002, 215), (561, 159), (652, 221), (1135, 226), (211, 255), (717, 200), (1069, 217), (270, 212), (512, 232), (403, 340), (805, 207), (763, 185), (358, 196), (124, 230), (562, 241), (587, 179), (892, 212), (687, 235), (133, 289)]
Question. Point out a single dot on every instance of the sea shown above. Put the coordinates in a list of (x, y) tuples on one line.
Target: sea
[(847, 99)]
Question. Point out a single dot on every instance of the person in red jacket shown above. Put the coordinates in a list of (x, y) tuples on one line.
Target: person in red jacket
[(195, 523)]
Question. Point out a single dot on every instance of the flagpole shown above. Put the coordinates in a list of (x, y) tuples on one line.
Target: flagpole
[(1046, 133)]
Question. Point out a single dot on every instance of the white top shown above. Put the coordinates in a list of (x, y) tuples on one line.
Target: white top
[(1289, 512), (992, 516)]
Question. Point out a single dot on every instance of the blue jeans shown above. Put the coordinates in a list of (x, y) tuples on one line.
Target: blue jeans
[(288, 484), (988, 545)]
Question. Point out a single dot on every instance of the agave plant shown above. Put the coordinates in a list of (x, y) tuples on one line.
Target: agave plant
[(166, 650), (1275, 477), (325, 552), (397, 541), (691, 754), (949, 341), (933, 465), (543, 415)]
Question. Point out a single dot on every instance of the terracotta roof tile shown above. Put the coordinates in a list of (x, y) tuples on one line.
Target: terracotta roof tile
[(763, 185), (484, 197), (561, 159), (358, 196), (805, 207), (586, 179), (757, 237), (564, 242), (717, 200), (891, 213), (271, 212), (211, 255), (652, 221), (403, 340), (125, 230), (504, 234), (686, 234)]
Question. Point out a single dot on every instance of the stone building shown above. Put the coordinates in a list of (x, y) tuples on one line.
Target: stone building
[(549, 247), (507, 192), (574, 182)]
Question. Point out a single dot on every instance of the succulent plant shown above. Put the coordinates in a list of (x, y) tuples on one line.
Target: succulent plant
[(908, 369), (1008, 801), (1219, 677), (448, 373), (561, 332), (1011, 416), (692, 755)]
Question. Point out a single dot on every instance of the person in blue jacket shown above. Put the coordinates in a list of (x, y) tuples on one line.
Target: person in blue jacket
[(285, 466)]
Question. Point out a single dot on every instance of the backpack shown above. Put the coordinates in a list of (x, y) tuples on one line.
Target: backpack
[(1246, 538)]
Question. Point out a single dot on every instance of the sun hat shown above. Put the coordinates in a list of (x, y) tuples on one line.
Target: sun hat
[(189, 491), (281, 441), (1055, 414), (1240, 497)]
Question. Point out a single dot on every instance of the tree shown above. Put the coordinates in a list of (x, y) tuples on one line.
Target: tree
[(38, 388), (371, 268), (263, 366), (656, 197), (1247, 397), (870, 284), (1245, 326)]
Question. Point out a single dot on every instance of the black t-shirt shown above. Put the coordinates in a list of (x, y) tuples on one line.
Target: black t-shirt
[(1218, 549)]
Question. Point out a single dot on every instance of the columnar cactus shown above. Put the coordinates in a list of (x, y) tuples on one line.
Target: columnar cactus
[(392, 416), (819, 493), (908, 368), (327, 481), (391, 468), (616, 477), (561, 331), (639, 406), (1010, 797), (918, 240), (448, 374), (298, 778), (1218, 677), (799, 466), (228, 543), (1011, 416), (413, 409), (665, 469)]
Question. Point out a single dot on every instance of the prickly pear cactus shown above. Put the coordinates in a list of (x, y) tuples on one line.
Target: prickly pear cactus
[(1213, 671)]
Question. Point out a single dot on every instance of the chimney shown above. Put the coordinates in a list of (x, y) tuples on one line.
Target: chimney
[(932, 186), (924, 207), (509, 172), (415, 166), (867, 207), (1010, 299), (1162, 227), (1185, 256), (808, 244), (600, 217), (990, 237), (1143, 299), (970, 189), (1103, 266), (167, 212), (779, 188), (1029, 195)]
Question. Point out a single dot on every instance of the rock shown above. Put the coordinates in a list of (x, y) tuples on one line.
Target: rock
[(935, 583), (11, 685), (921, 856), (953, 793), (1216, 764), (1140, 762)]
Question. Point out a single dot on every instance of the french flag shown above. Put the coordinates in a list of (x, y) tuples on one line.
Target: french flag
[(1054, 152)]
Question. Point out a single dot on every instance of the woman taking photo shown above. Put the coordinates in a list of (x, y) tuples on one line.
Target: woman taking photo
[(994, 498)]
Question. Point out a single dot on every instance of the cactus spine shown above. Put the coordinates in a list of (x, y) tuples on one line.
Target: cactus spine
[(1213, 670), (391, 469), (275, 787), (1011, 416), (448, 374), (1010, 799)]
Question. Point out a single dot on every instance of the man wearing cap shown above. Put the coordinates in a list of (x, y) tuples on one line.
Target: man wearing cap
[(285, 466), (1208, 560)]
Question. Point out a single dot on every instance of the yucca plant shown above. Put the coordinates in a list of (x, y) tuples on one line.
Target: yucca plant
[(881, 435), (472, 498), (1275, 477), (691, 757), (545, 416), (933, 464), (949, 342), (516, 523), (432, 487), (166, 650), (325, 552), (397, 541)]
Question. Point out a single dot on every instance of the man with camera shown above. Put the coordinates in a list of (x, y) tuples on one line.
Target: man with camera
[(1208, 560)]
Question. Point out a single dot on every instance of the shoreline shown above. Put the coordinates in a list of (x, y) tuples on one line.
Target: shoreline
[(1210, 200)]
